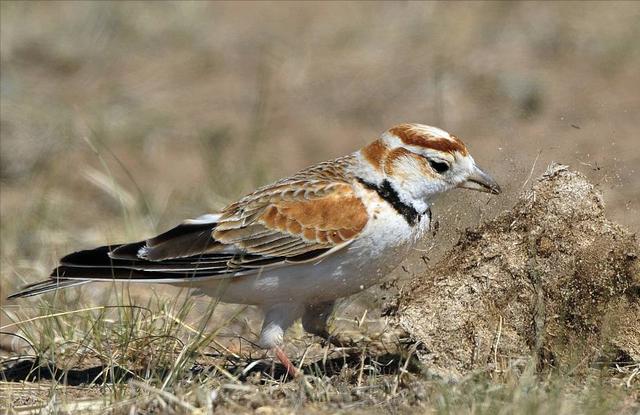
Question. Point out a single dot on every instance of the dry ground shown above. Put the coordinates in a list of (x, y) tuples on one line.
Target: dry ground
[(120, 119)]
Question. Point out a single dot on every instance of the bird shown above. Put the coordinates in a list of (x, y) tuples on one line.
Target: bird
[(294, 247)]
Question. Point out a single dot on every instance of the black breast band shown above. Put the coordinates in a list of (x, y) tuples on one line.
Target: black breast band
[(389, 194)]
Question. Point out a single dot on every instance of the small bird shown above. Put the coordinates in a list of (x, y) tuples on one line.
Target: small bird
[(294, 247)]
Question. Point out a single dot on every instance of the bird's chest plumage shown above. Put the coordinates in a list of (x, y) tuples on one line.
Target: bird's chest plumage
[(384, 244)]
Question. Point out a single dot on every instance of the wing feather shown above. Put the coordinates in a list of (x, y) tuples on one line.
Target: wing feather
[(299, 219)]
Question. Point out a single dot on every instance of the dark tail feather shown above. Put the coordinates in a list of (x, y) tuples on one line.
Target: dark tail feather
[(173, 256), (45, 286), (93, 257), (106, 262), (99, 265), (185, 240)]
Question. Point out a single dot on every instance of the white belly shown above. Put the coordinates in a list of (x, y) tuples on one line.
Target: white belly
[(384, 243)]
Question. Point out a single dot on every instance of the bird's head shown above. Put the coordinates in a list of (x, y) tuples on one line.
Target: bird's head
[(421, 162)]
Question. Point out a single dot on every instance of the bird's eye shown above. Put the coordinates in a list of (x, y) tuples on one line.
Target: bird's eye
[(439, 166)]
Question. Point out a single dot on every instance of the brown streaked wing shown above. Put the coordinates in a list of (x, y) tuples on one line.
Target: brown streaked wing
[(315, 220), (315, 210)]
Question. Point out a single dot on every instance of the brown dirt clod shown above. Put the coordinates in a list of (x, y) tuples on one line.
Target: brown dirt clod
[(551, 278)]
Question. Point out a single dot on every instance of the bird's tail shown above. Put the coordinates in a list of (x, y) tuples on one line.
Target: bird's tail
[(189, 244)]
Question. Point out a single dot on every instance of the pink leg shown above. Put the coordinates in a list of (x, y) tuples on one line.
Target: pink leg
[(291, 369)]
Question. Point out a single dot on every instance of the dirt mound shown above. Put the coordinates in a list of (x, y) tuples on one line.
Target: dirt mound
[(552, 278)]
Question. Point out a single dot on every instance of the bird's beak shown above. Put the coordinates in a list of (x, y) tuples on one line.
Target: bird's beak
[(482, 182)]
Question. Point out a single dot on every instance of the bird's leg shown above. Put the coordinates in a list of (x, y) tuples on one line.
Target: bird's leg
[(314, 321), (277, 319), (282, 356)]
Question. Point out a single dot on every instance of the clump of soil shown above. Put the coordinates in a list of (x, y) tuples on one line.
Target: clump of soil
[(551, 278)]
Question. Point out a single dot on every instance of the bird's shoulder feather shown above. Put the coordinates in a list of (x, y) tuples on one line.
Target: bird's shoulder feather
[(316, 209)]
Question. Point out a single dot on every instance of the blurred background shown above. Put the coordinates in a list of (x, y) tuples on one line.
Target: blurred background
[(120, 119)]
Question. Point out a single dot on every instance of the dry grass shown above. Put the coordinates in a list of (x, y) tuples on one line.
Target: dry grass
[(120, 119), (152, 358)]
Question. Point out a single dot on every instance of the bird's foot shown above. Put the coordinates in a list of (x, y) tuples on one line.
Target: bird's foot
[(336, 341)]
